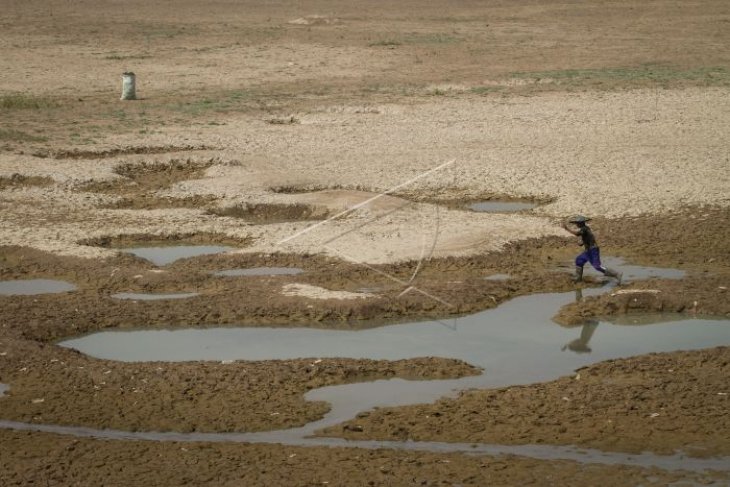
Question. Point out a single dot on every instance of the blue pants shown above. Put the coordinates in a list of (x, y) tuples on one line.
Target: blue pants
[(592, 255)]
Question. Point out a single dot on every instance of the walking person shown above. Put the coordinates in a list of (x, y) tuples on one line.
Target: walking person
[(591, 253)]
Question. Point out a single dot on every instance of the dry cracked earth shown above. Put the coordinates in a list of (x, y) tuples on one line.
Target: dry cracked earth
[(350, 140)]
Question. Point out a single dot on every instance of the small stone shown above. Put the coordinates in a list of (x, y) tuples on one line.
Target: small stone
[(38, 401)]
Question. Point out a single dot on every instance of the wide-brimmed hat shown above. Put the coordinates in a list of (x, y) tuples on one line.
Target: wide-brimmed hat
[(579, 219)]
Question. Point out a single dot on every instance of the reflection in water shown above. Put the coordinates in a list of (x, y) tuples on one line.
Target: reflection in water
[(580, 345)]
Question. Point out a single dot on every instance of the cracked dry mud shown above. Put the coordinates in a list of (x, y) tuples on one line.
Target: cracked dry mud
[(258, 121)]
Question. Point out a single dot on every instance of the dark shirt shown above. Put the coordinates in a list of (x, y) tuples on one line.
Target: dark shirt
[(589, 241)]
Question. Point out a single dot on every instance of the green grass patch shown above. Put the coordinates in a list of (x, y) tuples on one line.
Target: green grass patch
[(22, 101), (226, 102)]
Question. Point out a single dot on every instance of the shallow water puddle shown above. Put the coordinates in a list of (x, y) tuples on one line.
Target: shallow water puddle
[(501, 206), (515, 343), (260, 271), (153, 296), (29, 287), (161, 256)]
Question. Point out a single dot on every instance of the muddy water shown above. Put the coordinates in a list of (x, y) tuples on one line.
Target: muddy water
[(488, 339), (153, 296), (162, 256), (260, 271), (515, 343), (501, 206), (34, 286)]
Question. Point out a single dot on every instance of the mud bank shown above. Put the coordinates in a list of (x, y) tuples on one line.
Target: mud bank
[(657, 402), (43, 458), (52, 384)]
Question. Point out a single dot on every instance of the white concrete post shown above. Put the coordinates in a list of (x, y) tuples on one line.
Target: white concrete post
[(128, 87)]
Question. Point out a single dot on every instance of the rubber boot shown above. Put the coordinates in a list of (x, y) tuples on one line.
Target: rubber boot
[(578, 274), (614, 274)]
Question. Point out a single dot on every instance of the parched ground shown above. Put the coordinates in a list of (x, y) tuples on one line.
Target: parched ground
[(256, 122)]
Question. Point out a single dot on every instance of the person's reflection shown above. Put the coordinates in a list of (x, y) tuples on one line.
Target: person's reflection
[(580, 345)]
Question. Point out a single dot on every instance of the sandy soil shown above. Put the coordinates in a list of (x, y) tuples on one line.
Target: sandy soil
[(255, 122)]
